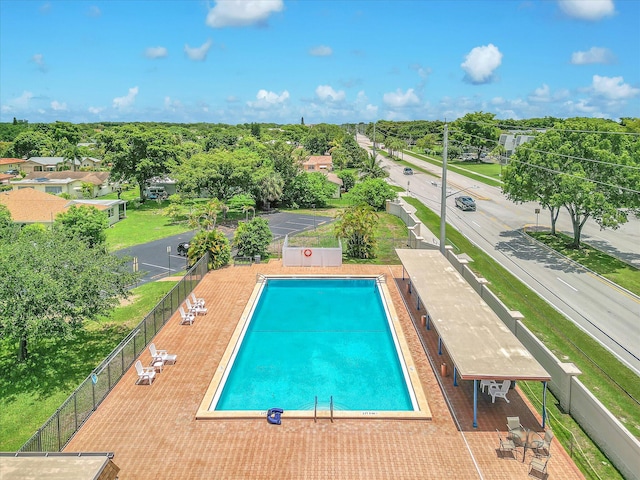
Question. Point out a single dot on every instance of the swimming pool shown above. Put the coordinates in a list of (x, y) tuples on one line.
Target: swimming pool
[(324, 339)]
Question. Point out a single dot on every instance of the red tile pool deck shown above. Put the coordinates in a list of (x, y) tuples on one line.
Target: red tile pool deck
[(154, 434)]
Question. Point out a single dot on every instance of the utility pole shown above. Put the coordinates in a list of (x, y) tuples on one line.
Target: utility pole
[(443, 199), (374, 139)]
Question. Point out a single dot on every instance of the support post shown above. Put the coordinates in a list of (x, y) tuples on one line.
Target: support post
[(544, 404), (475, 403), (455, 376), (439, 345)]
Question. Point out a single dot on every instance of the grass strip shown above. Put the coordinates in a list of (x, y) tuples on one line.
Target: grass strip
[(611, 268)]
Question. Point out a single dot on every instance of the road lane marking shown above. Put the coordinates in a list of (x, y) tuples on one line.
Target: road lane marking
[(475, 223), (155, 266), (572, 288)]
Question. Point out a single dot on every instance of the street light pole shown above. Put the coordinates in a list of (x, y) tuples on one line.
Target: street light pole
[(443, 199)]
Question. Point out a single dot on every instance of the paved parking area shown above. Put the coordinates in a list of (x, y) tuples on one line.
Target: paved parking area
[(156, 261), (154, 434)]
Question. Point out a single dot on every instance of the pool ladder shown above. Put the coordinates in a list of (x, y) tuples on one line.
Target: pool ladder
[(315, 409)]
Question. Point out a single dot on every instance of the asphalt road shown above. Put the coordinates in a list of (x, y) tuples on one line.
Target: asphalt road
[(604, 310), (155, 260)]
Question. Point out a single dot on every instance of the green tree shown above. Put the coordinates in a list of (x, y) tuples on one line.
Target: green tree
[(215, 243), (44, 293), (373, 192), (253, 238), (348, 179), (309, 189), (84, 222), (478, 130), (220, 173), (269, 188), (395, 145), (141, 153), (32, 143), (372, 167), (205, 215), (583, 165), (356, 227)]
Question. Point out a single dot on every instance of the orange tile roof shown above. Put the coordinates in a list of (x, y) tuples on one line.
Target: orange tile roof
[(8, 161), (32, 206), (319, 160)]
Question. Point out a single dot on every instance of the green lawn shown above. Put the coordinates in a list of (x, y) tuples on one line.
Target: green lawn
[(603, 264), (34, 389), (564, 339), (143, 224)]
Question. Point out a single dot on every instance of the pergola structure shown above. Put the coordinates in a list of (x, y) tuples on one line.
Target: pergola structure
[(477, 340)]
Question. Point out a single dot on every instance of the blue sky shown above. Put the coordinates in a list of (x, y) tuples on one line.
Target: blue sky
[(237, 61)]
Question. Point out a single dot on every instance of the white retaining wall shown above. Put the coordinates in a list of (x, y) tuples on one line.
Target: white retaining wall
[(310, 257), (611, 436)]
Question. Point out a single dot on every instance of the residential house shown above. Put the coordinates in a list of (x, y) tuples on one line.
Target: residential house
[(337, 181), (11, 164), (46, 164), (71, 183), (28, 205), (90, 163), (318, 163)]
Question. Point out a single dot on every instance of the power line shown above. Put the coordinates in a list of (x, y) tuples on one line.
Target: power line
[(573, 157), (608, 132)]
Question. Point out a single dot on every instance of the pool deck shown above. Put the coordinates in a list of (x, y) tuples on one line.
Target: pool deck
[(154, 434)]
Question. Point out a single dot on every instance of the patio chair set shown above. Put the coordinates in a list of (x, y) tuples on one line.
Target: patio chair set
[(159, 358), (496, 389), (194, 306), (519, 436)]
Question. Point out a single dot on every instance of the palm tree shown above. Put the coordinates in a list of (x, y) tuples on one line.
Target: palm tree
[(372, 167), (271, 187)]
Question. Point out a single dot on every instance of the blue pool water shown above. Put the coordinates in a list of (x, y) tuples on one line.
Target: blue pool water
[(317, 337)]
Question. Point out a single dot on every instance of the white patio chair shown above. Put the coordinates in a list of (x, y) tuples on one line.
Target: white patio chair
[(161, 355), (196, 310), (197, 301), (506, 446), (498, 390), (486, 383), (145, 373), (186, 317)]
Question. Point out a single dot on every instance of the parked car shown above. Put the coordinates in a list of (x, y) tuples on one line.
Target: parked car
[(466, 203), (408, 171), (183, 248), (12, 172)]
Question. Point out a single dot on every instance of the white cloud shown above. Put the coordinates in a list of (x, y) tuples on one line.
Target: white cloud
[(593, 55), (240, 13), (587, 9), (95, 110), (172, 105), (94, 11), (57, 106), (155, 52), (121, 103), (613, 88), (38, 59), (321, 51), (23, 100), (327, 93), (541, 94), (400, 99), (481, 62), (265, 99), (198, 53)]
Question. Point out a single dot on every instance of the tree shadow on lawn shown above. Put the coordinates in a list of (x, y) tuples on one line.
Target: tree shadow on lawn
[(56, 365), (521, 246)]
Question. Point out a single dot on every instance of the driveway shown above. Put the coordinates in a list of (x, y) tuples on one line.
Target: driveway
[(160, 259)]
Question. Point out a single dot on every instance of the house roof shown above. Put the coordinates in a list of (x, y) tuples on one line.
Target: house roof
[(49, 160), (9, 161), (333, 178), (27, 205), (97, 178), (318, 160)]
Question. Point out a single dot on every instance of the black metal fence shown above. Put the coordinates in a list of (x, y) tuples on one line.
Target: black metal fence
[(58, 430)]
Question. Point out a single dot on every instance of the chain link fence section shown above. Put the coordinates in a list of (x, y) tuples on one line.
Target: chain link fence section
[(65, 422)]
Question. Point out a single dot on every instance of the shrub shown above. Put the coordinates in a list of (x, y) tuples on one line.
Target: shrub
[(214, 242)]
